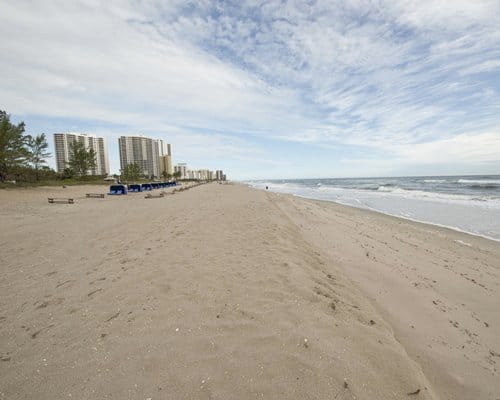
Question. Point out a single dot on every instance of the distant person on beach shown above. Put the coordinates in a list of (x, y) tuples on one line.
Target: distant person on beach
[(267, 187)]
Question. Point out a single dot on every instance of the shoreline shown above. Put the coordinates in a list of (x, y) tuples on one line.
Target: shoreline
[(452, 228), (435, 224), (228, 288), (390, 292)]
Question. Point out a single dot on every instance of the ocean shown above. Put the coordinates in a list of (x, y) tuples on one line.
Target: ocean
[(465, 203)]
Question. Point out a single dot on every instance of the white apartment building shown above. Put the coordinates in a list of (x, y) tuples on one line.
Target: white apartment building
[(191, 174), (63, 149), (182, 168), (200, 174), (205, 174), (197, 174), (143, 151)]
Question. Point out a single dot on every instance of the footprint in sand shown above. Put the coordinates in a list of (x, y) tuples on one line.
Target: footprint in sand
[(439, 305), (321, 292), (65, 283), (113, 316), (43, 304), (454, 323), (94, 292), (35, 334), (96, 280)]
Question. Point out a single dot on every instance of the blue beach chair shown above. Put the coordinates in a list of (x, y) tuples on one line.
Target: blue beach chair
[(134, 188), (117, 190)]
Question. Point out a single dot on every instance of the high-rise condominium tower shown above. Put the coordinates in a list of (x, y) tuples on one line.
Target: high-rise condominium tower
[(182, 168), (219, 175), (143, 151), (166, 162), (63, 149)]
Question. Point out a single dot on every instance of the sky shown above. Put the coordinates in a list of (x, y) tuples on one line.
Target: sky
[(265, 89)]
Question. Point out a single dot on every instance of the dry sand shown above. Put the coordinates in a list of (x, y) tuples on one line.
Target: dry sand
[(225, 292)]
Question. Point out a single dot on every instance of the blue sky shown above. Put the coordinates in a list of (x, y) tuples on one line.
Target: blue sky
[(266, 89)]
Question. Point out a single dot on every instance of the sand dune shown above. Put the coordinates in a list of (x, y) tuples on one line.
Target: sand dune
[(224, 292)]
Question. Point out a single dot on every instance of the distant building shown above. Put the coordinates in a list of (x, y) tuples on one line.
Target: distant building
[(196, 174), (143, 151), (166, 165), (182, 168), (63, 150), (219, 175), (192, 174), (166, 162), (202, 174)]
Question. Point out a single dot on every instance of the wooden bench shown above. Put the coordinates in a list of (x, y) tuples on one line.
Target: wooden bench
[(95, 195), (60, 200)]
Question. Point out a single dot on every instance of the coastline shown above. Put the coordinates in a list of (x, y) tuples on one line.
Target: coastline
[(226, 289), (470, 208), (406, 218), (414, 303)]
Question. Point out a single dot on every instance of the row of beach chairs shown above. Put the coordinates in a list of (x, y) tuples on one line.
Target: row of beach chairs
[(144, 187), (121, 189)]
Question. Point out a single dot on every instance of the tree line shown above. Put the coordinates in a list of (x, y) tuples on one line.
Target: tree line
[(133, 172), (23, 157)]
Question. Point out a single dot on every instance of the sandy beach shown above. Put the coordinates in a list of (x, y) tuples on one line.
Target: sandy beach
[(228, 292)]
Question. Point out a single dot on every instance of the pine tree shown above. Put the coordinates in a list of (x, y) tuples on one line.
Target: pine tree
[(81, 160), (37, 147), (13, 153), (131, 172)]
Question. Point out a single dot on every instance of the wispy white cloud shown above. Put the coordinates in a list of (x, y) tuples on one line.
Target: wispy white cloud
[(405, 78), (112, 69)]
